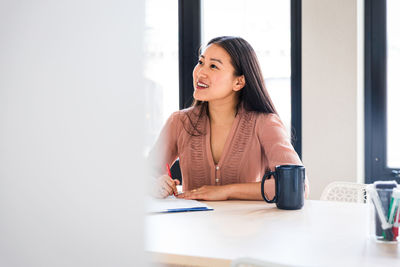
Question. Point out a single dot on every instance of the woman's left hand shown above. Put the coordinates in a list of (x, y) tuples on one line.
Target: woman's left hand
[(207, 192)]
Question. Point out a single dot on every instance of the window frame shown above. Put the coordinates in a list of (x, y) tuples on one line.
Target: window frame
[(190, 41), (296, 72), (376, 93)]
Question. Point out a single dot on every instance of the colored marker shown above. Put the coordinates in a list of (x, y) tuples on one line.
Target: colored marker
[(169, 174)]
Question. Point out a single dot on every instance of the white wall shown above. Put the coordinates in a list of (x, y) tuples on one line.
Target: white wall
[(332, 91), (70, 131)]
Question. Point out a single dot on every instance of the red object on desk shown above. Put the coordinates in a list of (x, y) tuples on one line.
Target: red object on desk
[(169, 174), (395, 229)]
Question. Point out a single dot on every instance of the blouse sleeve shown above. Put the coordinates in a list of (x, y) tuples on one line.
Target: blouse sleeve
[(165, 150), (275, 142)]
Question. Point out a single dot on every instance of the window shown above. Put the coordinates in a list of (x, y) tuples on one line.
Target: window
[(382, 59), (265, 24), (393, 84), (161, 65), (272, 27)]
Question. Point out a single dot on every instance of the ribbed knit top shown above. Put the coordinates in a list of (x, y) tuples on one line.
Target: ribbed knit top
[(257, 142)]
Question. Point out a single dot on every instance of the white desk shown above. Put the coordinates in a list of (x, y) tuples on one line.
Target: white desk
[(321, 234)]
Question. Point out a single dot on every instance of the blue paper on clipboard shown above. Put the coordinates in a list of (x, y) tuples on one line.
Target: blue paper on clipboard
[(173, 204)]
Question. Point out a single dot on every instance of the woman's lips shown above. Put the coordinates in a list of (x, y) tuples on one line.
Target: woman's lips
[(201, 86)]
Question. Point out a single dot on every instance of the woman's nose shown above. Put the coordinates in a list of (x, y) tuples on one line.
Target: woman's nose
[(201, 72)]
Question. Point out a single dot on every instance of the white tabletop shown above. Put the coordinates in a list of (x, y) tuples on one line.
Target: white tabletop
[(321, 234)]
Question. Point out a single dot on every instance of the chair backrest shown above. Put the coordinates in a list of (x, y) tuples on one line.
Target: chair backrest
[(345, 192), (176, 171)]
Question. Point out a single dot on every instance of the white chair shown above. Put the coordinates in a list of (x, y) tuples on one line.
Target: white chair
[(345, 192)]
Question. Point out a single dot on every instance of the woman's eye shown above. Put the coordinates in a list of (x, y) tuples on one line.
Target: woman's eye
[(213, 66), (200, 62)]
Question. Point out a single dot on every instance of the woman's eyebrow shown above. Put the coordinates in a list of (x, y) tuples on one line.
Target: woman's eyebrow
[(215, 59)]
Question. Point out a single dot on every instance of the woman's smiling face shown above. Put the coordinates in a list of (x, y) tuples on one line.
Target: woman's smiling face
[(213, 76)]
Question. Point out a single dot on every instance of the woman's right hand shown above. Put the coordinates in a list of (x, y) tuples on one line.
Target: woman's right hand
[(166, 186)]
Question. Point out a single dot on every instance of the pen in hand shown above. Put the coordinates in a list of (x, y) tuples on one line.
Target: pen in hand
[(169, 174)]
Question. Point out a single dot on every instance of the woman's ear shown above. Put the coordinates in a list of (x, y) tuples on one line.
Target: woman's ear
[(240, 82)]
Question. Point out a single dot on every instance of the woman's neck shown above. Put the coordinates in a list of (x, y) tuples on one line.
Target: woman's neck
[(222, 112)]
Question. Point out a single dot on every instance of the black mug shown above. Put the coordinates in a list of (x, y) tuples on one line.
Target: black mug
[(289, 186)]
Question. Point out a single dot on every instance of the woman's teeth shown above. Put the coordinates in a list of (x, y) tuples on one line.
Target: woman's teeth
[(202, 85)]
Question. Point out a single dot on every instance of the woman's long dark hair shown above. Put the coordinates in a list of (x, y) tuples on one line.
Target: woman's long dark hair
[(253, 96)]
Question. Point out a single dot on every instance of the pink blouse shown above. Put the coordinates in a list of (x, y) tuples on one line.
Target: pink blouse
[(257, 142)]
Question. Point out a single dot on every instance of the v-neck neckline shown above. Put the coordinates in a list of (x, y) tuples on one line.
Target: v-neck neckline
[(227, 144)]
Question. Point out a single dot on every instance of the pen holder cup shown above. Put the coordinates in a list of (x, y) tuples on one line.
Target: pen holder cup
[(383, 213)]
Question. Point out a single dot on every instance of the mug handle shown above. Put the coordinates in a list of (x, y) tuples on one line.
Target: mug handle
[(265, 177)]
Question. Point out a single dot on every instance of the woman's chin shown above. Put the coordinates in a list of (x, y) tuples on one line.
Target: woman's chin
[(199, 97)]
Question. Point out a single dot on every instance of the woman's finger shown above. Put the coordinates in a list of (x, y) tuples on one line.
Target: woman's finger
[(172, 185), (165, 186), (196, 193), (168, 184), (199, 196), (182, 195)]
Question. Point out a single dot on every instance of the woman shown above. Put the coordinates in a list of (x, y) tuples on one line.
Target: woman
[(230, 136)]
